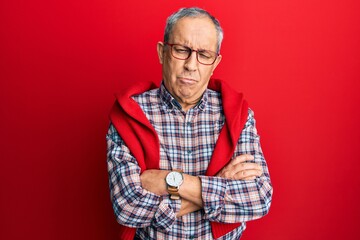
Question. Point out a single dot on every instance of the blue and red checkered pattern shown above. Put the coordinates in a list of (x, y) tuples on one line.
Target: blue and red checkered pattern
[(187, 140)]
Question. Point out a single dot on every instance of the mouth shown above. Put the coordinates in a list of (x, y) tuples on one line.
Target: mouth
[(185, 80)]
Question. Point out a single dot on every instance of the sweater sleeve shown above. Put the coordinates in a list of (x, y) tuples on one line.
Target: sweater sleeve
[(134, 206), (231, 201)]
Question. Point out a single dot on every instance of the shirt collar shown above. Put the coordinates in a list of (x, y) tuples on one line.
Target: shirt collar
[(172, 103)]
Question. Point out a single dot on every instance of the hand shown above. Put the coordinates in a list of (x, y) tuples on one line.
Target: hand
[(239, 169), (153, 180), (187, 207)]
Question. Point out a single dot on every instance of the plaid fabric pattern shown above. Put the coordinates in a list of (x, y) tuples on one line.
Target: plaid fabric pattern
[(187, 140)]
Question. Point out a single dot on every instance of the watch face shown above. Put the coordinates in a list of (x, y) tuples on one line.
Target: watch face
[(174, 179)]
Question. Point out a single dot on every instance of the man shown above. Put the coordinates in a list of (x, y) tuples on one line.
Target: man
[(184, 159)]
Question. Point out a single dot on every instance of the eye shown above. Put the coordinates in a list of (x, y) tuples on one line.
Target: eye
[(205, 54), (181, 49)]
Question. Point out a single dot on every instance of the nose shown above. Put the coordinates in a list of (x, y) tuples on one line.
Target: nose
[(191, 62)]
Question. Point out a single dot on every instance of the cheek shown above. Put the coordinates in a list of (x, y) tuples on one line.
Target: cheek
[(205, 74), (173, 68), (167, 68)]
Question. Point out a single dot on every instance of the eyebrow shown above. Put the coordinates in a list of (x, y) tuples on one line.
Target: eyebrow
[(199, 49)]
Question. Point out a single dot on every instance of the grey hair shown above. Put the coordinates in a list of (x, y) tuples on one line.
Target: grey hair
[(192, 12)]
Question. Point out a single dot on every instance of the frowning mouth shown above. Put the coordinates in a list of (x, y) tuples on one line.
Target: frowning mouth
[(186, 80)]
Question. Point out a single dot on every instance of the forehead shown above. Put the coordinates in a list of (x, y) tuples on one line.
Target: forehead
[(195, 32)]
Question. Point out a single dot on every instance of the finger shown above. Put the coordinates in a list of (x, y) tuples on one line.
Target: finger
[(247, 174), (229, 171), (249, 178), (246, 166), (224, 173), (242, 158), (251, 173)]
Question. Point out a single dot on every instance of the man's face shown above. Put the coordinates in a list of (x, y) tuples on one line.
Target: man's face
[(187, 79)]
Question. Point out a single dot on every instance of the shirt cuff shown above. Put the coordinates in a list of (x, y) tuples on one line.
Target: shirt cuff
[(165, 215), (213, 194)]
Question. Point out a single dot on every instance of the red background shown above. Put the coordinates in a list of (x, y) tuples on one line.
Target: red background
[(61, 62)]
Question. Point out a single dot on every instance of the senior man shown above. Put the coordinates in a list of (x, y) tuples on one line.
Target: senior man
[(184, 158)]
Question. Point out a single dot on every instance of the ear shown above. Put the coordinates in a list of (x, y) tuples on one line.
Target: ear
[(160, 51), (216, 63)]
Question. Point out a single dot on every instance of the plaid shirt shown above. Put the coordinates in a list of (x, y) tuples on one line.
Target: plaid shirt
[(187, 140)]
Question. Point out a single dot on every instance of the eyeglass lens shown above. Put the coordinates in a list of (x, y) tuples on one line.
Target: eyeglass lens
[(203, 56)]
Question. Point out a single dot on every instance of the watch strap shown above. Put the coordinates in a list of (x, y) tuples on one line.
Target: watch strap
[(174, 192)]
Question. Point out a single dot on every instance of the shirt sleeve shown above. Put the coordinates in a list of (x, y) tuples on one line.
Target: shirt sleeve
[(231, 201), (134, 206)]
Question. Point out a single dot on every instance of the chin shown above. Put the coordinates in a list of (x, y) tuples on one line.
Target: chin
[(185, 94)]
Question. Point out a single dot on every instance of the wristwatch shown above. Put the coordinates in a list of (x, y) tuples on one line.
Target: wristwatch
[(173, 180)]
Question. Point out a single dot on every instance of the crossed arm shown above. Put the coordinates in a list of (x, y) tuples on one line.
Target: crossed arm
[(191, 192), (240, 192)]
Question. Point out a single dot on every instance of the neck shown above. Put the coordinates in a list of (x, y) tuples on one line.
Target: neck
[(186, 105)]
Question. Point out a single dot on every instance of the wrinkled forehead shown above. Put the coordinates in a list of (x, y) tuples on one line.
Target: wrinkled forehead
[(195, 32)]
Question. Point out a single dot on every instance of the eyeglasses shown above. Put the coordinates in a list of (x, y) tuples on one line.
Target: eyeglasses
[(205, 57)]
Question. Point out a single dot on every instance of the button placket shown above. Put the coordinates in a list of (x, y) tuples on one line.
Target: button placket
[(188, 134)]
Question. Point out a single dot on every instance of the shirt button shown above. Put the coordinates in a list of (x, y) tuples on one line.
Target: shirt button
[(189, 152), (189, 124)]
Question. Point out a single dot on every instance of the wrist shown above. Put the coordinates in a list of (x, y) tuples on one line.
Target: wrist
[(174, 180), (191, 189)]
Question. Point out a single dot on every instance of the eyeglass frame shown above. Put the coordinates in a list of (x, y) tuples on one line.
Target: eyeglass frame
[(190, 53)]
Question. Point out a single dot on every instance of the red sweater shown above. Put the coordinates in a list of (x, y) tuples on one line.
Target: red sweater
[(142, 140)]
